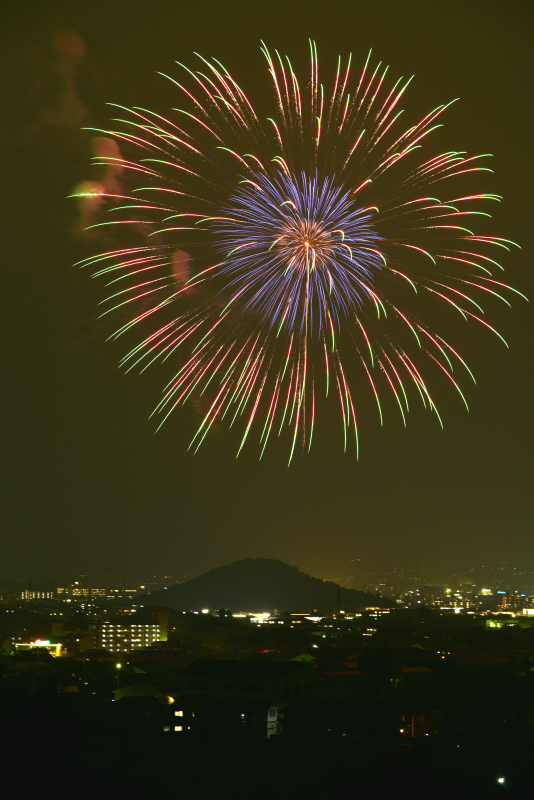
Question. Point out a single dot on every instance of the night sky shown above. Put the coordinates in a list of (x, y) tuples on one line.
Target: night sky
[(88, 485)]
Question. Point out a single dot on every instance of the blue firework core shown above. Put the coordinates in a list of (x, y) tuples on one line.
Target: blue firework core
[(298, 249)]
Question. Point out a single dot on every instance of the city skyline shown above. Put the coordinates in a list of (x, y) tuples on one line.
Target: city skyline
[(484, 578)]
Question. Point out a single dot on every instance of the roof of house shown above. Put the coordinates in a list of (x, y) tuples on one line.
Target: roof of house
[(203, 668)]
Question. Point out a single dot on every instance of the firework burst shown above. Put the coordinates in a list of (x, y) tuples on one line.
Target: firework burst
[(304, 231)]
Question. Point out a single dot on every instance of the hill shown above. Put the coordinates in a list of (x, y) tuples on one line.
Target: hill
[(260, 584)]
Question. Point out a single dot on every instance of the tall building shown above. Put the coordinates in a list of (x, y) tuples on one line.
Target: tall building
[(122, 637), (28, 594)]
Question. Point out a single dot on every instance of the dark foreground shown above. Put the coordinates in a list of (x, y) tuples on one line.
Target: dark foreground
[(108, 749)]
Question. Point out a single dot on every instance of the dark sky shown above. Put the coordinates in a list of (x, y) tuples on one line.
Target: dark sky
[(88, 486)]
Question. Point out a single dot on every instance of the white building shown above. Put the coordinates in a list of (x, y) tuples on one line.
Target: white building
[(123, 637), (275, 715)]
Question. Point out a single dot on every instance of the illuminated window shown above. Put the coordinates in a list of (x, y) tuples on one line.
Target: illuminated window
[(177, 727), (178, 713)]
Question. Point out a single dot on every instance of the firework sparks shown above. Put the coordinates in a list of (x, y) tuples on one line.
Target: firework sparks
[(276, 254)]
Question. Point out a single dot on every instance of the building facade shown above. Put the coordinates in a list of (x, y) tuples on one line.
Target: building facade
[(124, 636)]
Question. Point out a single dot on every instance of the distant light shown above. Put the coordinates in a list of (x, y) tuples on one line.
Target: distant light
[(501, 780), (118, 666), (205, 611)]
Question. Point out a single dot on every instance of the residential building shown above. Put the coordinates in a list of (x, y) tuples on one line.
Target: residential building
[(123, 637)]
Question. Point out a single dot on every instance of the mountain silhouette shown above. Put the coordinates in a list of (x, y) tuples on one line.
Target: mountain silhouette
[(260, 584)]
